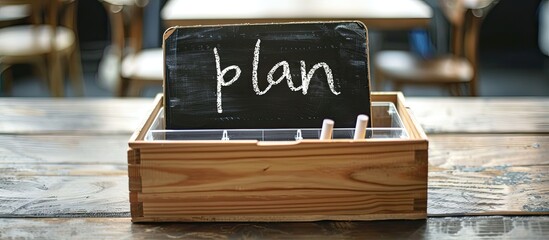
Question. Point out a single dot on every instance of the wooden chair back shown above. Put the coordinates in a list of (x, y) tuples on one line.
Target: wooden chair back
[(126, 20), (465, 17), (51, 13), (14, 12)]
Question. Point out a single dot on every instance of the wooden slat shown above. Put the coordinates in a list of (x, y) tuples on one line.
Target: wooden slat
[(455, 152), (282, 173), (488, 174), (48, 169), (482, 115), (54, 116), (108, 116), (75, 149), (496, 227), (63, 176), (64, 196)]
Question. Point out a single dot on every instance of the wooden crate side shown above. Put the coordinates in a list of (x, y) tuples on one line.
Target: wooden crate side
[(290, 186), (139, 134), (422, 165), (134, 172), (280, 218), (412, 125), (218, 150), (136, 210), (384, 97), (316, 171), (135, 182)]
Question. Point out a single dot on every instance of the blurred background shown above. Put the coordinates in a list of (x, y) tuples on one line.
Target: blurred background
[(112, 40)]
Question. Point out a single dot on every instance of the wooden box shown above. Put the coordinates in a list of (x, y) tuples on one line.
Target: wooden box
[(305, 180)]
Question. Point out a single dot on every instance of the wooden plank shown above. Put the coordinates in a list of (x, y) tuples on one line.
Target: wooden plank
[(488, 174), (64, 196), (48, 169), (482, 115), (487, 150), (494, 227), (68, 149), (91, 116)]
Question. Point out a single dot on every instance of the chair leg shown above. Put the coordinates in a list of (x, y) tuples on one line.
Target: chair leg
[(56, 80), (41, 69), (453, 89), (473, 91), (398, 86), (7, 81), (75, 72), (122, 88), (134, 89), (378, 75)]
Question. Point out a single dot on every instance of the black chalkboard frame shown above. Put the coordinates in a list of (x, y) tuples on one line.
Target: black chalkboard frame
[(360, 103)]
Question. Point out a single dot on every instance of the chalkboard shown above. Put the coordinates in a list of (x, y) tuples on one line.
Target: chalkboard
[(261, 76)]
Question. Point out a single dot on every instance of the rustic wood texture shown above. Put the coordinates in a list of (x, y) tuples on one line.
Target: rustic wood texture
[(482, 115), (63, 196), (259, 183), (510, 178), (74, 116), (75, 149), (487, 174), (47, 171), (492, 227)]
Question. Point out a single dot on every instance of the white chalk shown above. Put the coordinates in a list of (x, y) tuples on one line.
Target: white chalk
[(327, 129), (225, 136), (298, 135), (360, 128)]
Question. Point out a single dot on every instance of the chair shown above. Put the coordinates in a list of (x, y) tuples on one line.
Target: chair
[(454, 70), (46, 43), (14, 14), (139, 67)]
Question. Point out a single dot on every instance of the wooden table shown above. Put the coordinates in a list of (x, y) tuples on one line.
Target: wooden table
[(378, 14), (63, 174)]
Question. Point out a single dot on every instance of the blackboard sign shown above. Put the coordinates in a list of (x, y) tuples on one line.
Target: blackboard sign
[(266, 76)]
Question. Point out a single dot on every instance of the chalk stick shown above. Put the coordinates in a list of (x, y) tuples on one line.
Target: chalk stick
[(360, 128), (298, 135), (225, 136), (327, 129)]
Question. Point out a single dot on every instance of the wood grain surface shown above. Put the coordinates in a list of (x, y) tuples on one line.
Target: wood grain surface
[(487, 174), (482, 115), (510, 177), (491, 227), (74, 116), (77, 168)]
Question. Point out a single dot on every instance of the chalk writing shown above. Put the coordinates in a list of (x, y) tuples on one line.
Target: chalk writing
[(220, 78), (306, 76)]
